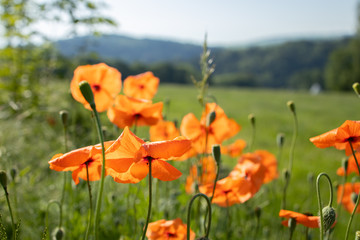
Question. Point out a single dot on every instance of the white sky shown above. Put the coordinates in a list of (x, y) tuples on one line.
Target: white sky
[(228, 21)]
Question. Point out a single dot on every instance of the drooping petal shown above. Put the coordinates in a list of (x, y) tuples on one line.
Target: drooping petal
[(70, 160), (140, 169), (168, 149), (164, 171)]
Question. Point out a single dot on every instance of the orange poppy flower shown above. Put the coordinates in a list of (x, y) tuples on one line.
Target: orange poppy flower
[(105, 82), (340, 137), (228, 191), (235, 149), (129, 157), (347, 200), (265, 158), (220, 129), (76, 161), (351, 168), (166, 230), (129, 111), (163, 130), (142, 86), (208, 175), (308, 221)]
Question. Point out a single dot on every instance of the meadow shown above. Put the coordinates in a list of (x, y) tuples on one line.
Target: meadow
[(30, 137)]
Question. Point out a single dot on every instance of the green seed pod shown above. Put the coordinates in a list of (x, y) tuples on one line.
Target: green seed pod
[(216, 153), (210, 118), (291, 106), (13, 173), (3, 178), (329, 217), (86, 91), (64, 115), (356, 87)]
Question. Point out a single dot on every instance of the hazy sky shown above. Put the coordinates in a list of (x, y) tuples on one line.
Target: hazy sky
[(231, 21)]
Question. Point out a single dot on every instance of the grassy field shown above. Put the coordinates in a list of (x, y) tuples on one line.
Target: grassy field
[(31, 137)]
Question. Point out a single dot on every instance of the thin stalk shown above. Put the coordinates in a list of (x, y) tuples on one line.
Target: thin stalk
[(47, 212), (65, 180), (101, 188), (90, 202), (149, 208), (189, 214), (320, 203), (216, 178), (357, 200), (11, 213)]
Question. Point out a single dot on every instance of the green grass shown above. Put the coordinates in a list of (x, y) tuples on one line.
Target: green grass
[(30, 138)]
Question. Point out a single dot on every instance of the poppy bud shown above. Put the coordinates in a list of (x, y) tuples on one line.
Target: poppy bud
[(329, 216), (286, 174), (210, 118), (292, 224), (280, 139), (87, 93), (64, 117), (216, 153), (291, 106), (257, 212), (58, 233), (357, 235), (13, 173), (251, 118), (354, 197), (356, 87), (3, 179), (345, 163)]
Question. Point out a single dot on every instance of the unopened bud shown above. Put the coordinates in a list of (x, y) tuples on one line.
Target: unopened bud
[(291, 106), (357, 235), (216, 153), (356, 87), (210, 118), (329, 217), (58, 234), (3, 178), (87, 93), (280, 139), (13, 173), (292, 224), (64, 115), (344, 164), (354, 197), (257, 212), (251, 118), (286, 174)]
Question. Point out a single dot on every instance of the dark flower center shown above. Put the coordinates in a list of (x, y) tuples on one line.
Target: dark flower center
[(147, 159), (169, 234), (96, 87), (88, 162), (141, 86)]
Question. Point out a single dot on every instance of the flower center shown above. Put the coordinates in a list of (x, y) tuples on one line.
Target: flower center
[(169, 234), (96, 87), (141, 86), (88, 162)]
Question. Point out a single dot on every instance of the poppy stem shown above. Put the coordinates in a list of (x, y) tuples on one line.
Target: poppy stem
[(358, 198), (208, 212), (90, 202), (149, 208), (64, 117), (11, 213), (320, 203), (47, 212)]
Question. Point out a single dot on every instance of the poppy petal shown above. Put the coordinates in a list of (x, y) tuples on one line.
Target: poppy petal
[(164, 171), (168, 149)]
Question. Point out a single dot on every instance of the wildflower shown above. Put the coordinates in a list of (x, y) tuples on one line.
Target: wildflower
[(265, 158), (341, 137), (350, 190), (163, 130), (129, 157), (304, 219), (141, 86), (235, 149), (77, 160), (351, 166), (208, 174), (129, 111), (105, 82), (215, 132), (166, 230)]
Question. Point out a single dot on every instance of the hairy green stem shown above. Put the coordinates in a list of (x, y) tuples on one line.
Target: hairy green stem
[(90, 203), (11, 213), (149, 208), (47, 212), (358, 198), (320, 203), (189, 214)]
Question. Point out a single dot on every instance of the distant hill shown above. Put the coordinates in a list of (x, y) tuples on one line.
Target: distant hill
[(297, 63), (130, 49)]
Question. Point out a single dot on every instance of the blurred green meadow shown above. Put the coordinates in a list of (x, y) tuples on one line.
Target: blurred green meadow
[(30, 137)]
